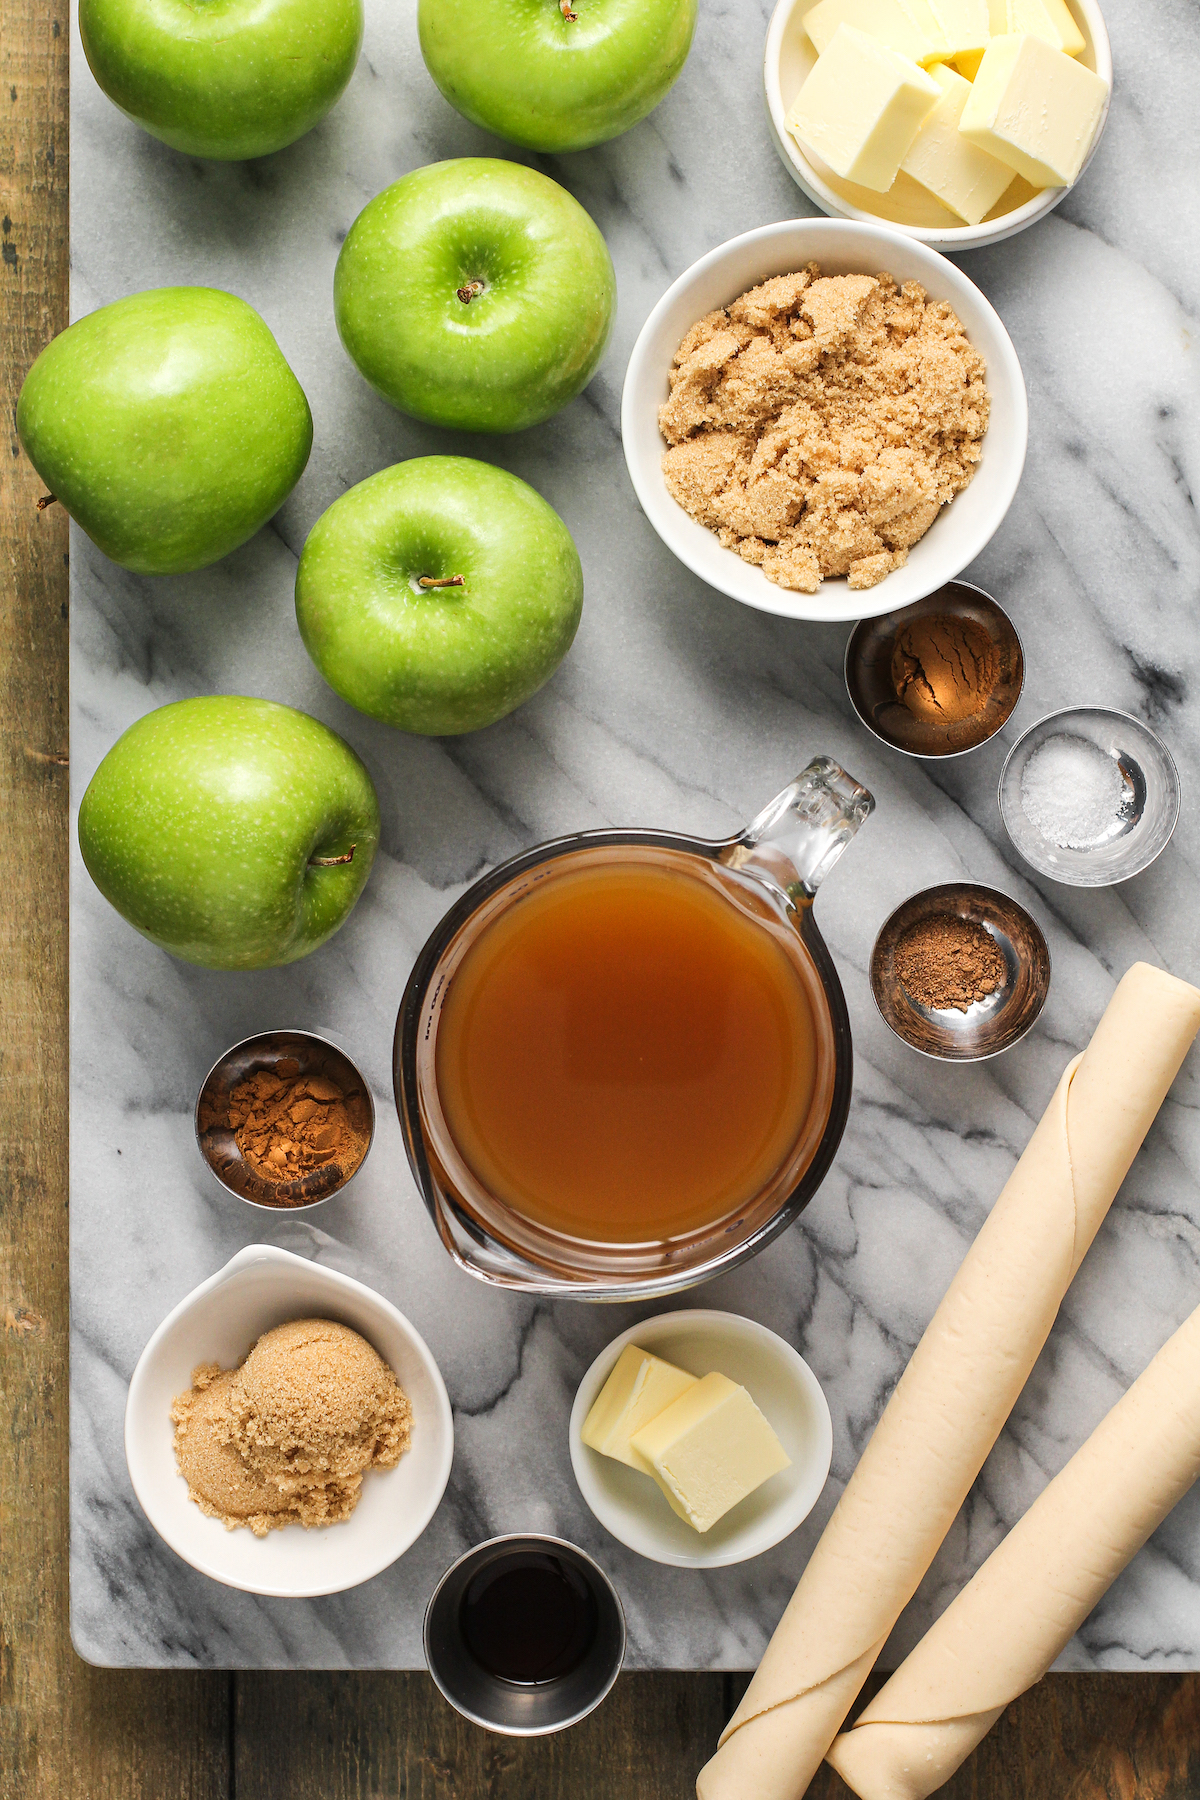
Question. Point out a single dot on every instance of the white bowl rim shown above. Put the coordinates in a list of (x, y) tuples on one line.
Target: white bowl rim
[(786, 1517), (251, 1256), (949, 238), (662, 512)]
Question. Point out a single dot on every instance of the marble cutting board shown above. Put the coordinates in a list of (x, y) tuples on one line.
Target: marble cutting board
[(677, 708)]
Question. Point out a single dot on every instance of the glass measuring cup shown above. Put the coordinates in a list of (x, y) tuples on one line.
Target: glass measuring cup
[(771, 871)]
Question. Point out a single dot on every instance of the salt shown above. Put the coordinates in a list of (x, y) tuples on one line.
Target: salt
[(1072, 792)]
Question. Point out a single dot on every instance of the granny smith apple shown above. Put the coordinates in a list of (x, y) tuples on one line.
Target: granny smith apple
[(555, 74), (234, 833), (168, 424), (475, 293), (224, 78), (439, 594)]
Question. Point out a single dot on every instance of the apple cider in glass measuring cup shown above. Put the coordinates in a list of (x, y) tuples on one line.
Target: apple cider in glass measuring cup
[(623, 1060), (629, 1053)]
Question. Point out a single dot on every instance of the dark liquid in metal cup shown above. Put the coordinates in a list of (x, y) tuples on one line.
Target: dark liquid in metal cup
[(628, 1052), (528, 1617)]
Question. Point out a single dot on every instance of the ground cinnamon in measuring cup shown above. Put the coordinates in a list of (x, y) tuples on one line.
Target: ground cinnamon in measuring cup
[(287, 1124), (947, 961)]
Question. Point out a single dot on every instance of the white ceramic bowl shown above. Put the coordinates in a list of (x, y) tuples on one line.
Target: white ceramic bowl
[(786, 1391), (787, 59), (218, 1322), (842, 247)]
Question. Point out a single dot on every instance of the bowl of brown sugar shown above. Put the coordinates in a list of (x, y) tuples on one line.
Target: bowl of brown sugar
[(960, 972), (284, 1120), (824, 419)]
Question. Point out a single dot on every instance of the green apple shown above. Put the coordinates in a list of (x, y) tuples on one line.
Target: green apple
[(234, 833), (224, 78), (168, 424), (555, 74), (475, 293), (439, 594)]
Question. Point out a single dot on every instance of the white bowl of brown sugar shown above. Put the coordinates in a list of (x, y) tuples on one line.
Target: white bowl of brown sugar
[(827, 448), (322, 1475)]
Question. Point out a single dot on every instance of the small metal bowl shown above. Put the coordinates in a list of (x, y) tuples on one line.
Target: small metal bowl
[(521, 1709), (312, 1055), (871, 683), (988, 1026), (1139, 831)]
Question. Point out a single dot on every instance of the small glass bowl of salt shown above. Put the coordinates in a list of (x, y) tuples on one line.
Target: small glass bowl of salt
[(1089, 796)]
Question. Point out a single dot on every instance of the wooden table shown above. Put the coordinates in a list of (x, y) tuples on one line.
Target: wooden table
[(71, 1732)]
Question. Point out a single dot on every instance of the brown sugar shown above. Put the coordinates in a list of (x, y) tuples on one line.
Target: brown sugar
[(819, 424), (946, 961), (287, 1124), (287, 1437)]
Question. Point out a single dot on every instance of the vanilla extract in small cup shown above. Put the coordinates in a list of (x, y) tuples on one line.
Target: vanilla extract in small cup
[(524, 1635), (529, 1617)]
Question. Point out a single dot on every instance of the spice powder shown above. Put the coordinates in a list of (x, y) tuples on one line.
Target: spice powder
[(287, 1124), (944, 669), (946, 962)]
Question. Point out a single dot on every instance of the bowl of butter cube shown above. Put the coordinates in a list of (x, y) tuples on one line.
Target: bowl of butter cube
[(700, 1438), (959, 122)]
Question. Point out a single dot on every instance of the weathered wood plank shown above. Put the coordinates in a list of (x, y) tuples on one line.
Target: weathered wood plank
[(67, 1732), (311, 1737)]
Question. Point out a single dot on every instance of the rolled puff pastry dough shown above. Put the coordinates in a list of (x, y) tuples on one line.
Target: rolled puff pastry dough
[(952, 1400), (1036, 1588)]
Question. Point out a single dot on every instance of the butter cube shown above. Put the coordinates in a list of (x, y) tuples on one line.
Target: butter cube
[(639, 1388), (861, 108), (909, 26), (1051, 20), (709, 1450), (1034, 108), (965, 179), (965, 24)]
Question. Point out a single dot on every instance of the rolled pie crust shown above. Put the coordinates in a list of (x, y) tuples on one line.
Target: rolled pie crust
[(952, 1400), (1037, 1587)]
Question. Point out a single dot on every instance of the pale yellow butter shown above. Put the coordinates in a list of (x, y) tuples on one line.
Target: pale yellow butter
[(965, 24), (909, 26), (861, 108), (1034, 108), (639, 1388), (963, 177), (1051, 20), (709, 1450)]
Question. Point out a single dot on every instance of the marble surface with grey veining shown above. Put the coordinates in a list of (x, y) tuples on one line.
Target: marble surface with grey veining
[(679, 708)]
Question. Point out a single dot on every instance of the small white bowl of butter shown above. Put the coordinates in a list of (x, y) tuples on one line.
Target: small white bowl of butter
[(788, 60), (783, 1388)]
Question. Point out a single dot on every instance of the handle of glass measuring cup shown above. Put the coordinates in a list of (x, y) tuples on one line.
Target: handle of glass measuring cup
[(796, 839)]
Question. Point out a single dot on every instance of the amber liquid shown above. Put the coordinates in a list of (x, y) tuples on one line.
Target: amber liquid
[(628, 1053)]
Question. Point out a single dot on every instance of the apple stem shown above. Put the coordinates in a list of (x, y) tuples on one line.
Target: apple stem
[(469, 289), (564, 7), (331, 862), (47, 500), (440, 581)]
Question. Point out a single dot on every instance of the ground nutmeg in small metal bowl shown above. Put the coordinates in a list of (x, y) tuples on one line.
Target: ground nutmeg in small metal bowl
[(944, 961)]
